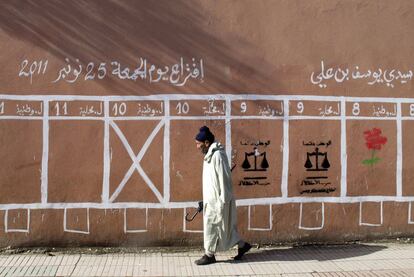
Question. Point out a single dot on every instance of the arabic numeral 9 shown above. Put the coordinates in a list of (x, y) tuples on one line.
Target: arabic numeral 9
[(64, 108), (355, 109), (182, 108), (411, 109), (243, 107), (119, 109), (300, 107)]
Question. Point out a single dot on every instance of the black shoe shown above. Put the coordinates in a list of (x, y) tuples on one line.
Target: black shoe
[(242, 251), (205, 260)]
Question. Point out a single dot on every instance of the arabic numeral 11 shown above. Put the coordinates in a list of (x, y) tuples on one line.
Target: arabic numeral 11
[(411, 109), (61, 108), (119, 109), (182, 108), (355, 109)]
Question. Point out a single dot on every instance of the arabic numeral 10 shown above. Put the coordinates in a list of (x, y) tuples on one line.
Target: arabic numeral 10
[(119, 109), (411, 109), (182, 108), (300, 107), (59, 107), (355, 109)]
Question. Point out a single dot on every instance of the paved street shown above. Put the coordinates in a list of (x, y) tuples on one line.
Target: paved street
[(368, 259)]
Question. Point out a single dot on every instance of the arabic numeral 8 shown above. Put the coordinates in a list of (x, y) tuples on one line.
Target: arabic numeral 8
[(243, 107), (119, 109), (300, 107), (64, 108), (182, 108), (355, 109), (411, 109)]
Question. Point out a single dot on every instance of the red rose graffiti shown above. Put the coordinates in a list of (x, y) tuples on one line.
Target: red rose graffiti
[(374, 142)]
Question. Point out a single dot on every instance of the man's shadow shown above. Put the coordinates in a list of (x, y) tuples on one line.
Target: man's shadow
[(309, 253)]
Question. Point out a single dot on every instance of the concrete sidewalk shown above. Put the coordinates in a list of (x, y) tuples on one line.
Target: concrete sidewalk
[(368, 259)]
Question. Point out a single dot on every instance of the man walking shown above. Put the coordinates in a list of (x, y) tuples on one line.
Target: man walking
[(219, 217)]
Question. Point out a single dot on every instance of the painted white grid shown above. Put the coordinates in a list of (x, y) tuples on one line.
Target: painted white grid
[(165, 200), (126, 230), (361, 223), (13, 230), (250, 228), (316, 227), (65, 229)]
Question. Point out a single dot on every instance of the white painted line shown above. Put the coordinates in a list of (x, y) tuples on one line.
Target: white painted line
[(126, 230), (53, 118), (410, 219), (310, 117), (285, 165), (399, 152), (45, 153), (178, 205), (15, 117), (15, 230), (221, 96), (228, 131), (370, 118), (167, 152), (250, 228), (65, 229), (107, 156), (344, 156), (361, 223)]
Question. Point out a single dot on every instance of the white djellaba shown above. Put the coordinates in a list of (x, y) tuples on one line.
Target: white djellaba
[(220, 214)]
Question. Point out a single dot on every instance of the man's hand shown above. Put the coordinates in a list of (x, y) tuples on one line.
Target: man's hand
[(200, 206)]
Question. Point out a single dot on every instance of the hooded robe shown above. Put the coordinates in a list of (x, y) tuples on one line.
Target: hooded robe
[(219, 218)]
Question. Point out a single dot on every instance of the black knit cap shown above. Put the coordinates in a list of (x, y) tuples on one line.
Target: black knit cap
[(205, 134)]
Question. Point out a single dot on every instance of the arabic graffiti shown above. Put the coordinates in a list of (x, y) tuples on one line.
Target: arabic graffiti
[(379, 76), (74, 71), (374, 142), (329, 110), (321, 180), (27, 109), (267, 110), (214, 108), (382, 111)]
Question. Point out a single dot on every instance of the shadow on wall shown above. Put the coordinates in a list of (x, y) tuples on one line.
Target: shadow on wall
[(161, 31), (318, 253)]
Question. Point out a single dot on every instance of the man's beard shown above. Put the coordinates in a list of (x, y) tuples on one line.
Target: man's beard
[(204, 149)]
